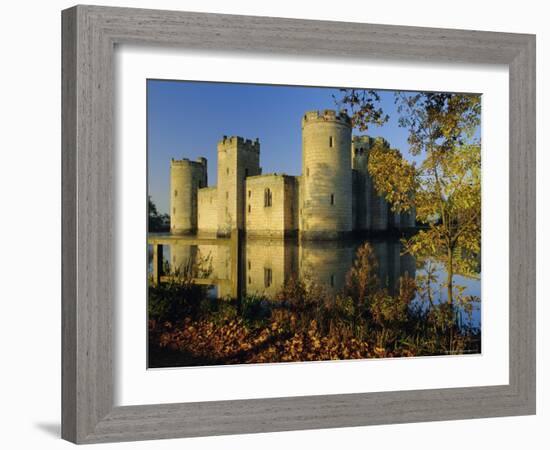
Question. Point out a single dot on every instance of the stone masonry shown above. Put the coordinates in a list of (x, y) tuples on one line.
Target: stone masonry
[(333, 197)]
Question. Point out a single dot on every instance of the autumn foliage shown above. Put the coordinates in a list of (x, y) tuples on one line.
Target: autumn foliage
[(303, 323)]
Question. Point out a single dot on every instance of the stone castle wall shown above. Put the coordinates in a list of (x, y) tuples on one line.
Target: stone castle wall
[(333, 197), (270, 205), (408, 219), (207, 203), (372, 211)]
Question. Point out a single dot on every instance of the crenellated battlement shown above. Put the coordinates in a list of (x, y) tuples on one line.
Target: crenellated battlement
[(185, 162), (362, 144), (333, 197), (228, 142), (327, 115)]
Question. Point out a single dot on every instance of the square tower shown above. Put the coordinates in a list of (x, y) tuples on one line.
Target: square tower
[(238, 158)]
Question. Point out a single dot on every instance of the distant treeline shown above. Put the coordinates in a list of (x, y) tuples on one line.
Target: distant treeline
[(156, 222)]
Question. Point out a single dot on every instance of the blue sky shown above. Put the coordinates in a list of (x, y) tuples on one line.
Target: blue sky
[(186, 120)]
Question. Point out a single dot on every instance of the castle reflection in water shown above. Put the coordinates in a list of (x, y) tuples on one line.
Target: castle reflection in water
[(262, 267)]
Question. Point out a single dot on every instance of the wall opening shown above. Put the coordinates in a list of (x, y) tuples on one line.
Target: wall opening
[(268, 277), (268, 198), (330, 141), (332, 199)]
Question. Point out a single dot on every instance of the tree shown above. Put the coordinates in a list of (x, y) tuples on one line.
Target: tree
[(363, 104), (156, 221), (444, 189)]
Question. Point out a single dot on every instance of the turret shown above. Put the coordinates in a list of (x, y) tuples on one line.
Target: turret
[(326, 206), (186, 177)]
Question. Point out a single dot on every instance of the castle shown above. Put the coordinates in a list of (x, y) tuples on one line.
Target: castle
[(332, 198)]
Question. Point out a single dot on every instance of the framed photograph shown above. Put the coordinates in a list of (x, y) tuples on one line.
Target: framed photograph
[(335, 219)]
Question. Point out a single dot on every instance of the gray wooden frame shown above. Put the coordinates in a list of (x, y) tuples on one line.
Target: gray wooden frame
[(89, 35)]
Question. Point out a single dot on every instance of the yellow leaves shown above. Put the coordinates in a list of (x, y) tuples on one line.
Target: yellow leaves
[(393, 176)]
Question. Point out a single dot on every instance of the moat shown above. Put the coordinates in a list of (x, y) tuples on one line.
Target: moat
[(261, 267)]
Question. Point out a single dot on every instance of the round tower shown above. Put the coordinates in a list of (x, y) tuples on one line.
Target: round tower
[(186, 178), (326, 205)]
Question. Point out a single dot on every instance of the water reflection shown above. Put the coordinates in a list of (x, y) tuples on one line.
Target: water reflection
[(255, 266), (266, 265)]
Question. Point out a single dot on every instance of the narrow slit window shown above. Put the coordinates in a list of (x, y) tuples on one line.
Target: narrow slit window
[(249, 208), (176, 193), (330, 141), (268, 198), (332, 199), (268, 277)]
